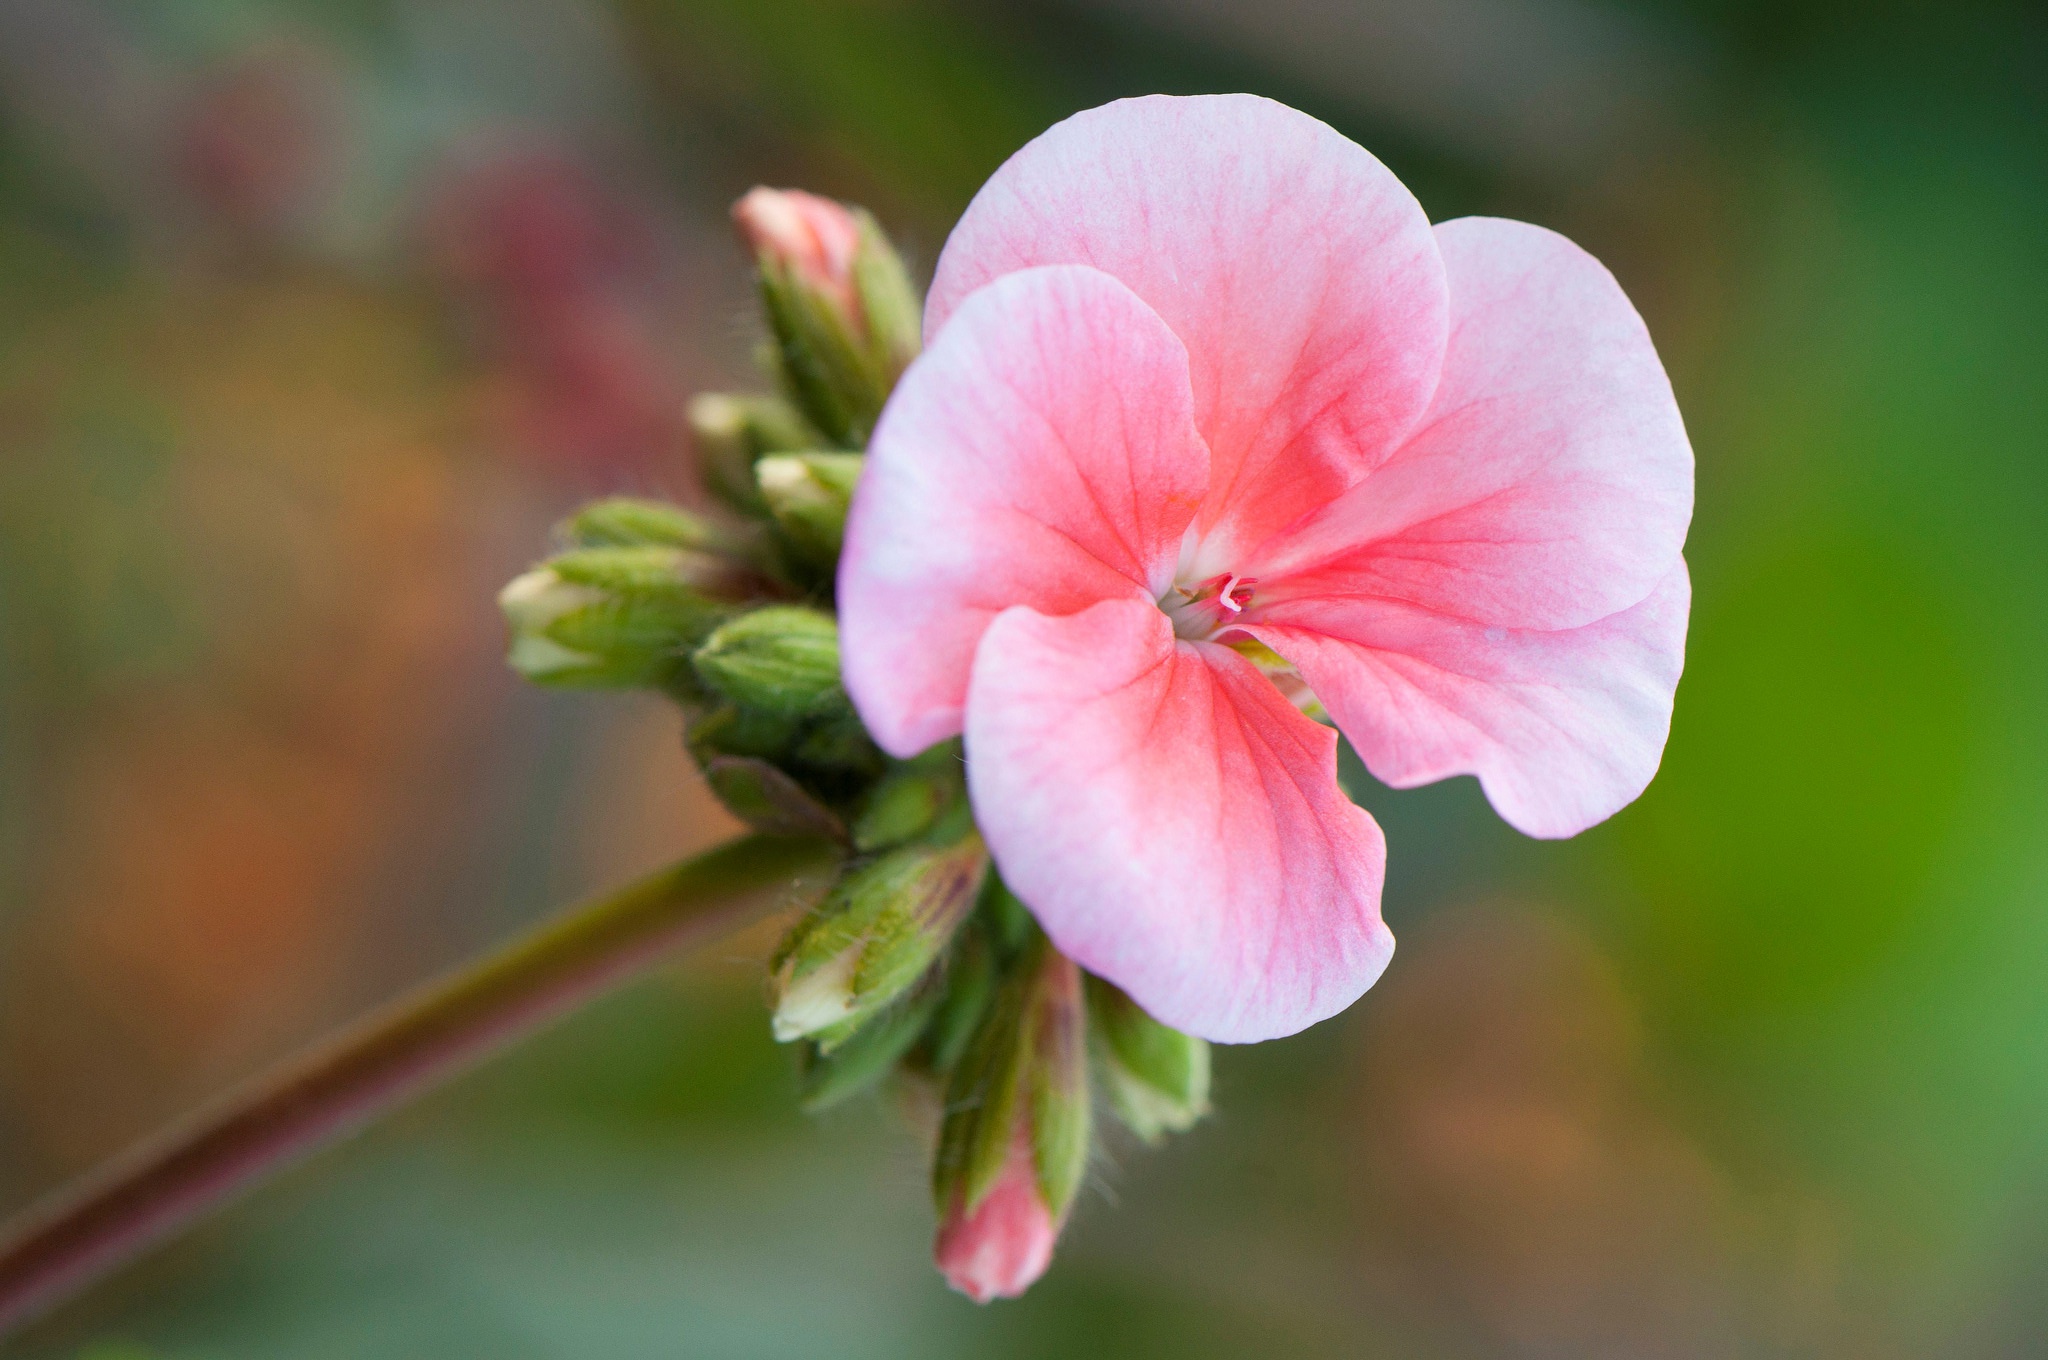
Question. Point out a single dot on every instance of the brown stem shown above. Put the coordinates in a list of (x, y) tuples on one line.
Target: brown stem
[(83, 1231)]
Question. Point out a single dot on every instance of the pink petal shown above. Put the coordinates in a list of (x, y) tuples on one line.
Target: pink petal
[(999, 1250), (1299, 271), (1550, 483), (1041, 452), (1564, 729), (1173, 823)]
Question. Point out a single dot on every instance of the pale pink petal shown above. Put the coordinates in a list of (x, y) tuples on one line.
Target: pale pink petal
[(1041, 452), (1302, 275), (1564, 729), (999, 1250), (1173, 823), (1550, 482)]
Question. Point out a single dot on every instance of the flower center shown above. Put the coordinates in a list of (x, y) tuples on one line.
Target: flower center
[(1203, 610)]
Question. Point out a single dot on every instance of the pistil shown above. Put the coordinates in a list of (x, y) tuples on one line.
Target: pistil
[(1201, 611)]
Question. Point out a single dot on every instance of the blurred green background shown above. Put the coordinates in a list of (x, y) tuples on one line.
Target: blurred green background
[(313, 316)]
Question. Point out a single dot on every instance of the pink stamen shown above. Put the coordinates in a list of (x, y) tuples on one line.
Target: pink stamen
[(1225, 599)]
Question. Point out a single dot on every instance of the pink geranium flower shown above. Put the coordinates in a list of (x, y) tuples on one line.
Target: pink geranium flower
[(1202, 386)]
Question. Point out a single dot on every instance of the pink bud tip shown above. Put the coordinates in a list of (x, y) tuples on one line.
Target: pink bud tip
[(1000, 1249), (812, 236)]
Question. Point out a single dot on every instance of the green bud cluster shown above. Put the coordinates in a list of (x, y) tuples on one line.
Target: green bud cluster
[(918, 964), (774, 701)]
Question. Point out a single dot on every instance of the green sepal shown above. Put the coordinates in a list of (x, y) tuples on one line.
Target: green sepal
[(1025, 1071), (1156, 1078), (878, 932), (866, 1055), (628, 644), (907, 801), (906, 942), (889, 303), (984, 1099), (1061, 1121), (632, 522), (823, 367), (970, 984), (767, 799), (645, 569), (731, 730), (838, 365), (618, 616)]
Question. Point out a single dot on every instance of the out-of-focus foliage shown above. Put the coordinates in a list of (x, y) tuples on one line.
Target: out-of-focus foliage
[(1756, 1069)]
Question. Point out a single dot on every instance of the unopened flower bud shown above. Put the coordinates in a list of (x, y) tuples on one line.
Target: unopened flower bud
[(844, 316), (838, 741), (998, 1249), (808, 494), (616, 616), (783, 659), (731, 433), (768, 799), (729, 730), (630, 522), (1156, 1078), (871, 940), (534, 603), (907, 800), (812, 238), (1014, 1146)]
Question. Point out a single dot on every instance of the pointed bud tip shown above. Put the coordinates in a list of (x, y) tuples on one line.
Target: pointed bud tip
[(782, 475), (532, 603), (809, 494), (536, 598), (716, 414), (817, 1000), (1001, 1248), (812, 237)]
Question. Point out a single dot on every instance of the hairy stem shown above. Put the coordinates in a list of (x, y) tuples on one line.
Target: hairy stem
[(83, 1231)]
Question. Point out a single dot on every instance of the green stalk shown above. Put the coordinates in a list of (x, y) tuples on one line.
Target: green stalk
[(83, 1231)]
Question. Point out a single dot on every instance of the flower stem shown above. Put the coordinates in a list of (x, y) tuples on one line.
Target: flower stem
[(83, 1231)]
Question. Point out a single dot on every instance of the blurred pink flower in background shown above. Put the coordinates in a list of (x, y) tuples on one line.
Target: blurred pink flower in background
[(1207, 401), (260, 136), (557, 269)]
